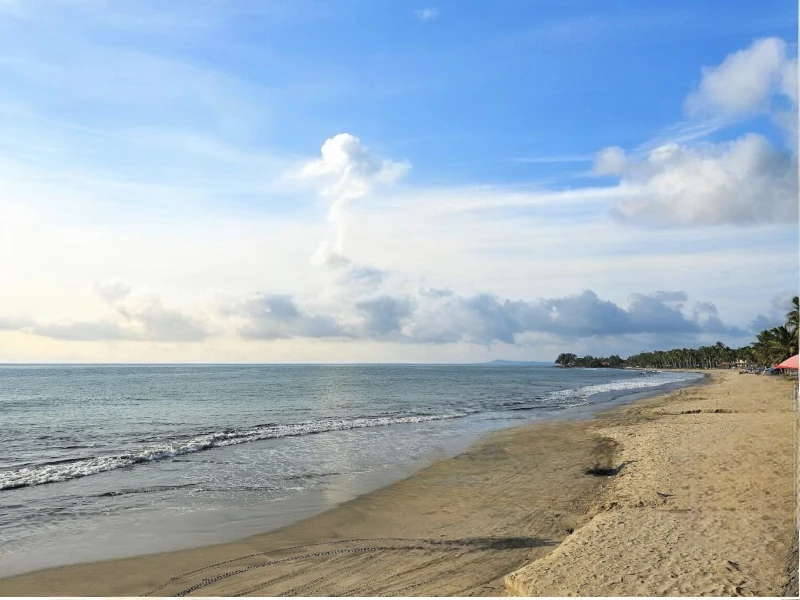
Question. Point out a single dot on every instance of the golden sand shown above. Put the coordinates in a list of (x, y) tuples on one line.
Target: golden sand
[(705, 507)]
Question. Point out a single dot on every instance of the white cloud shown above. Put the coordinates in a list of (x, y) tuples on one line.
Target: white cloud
[(746, 82), (427, 14), (132, 316), (610, 161), (745, 181), (419, 318), (485, 319), (681, 181), (478, 240), (278, 316), (181, 209), (348, 170)]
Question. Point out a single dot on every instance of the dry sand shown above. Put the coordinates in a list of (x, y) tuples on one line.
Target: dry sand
[(703, 504), (707, 505)]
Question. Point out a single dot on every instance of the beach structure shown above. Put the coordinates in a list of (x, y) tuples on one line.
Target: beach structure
[(789, 363)]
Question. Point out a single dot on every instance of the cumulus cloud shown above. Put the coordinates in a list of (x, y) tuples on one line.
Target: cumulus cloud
[(427, 14), (361, 279), (275, 316), (431, 316), (142, 317), (776, 314), (481, 319), (610, 161), (348, 278), (146, 317), (348, 170), (744, 181), (746, 82), (485, 319), (384, 315)]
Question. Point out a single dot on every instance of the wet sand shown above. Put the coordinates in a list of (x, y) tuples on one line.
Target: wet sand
[(703, 504)]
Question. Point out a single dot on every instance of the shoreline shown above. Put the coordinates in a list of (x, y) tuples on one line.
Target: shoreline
[(525, 489), (162, 533), (128, 535)]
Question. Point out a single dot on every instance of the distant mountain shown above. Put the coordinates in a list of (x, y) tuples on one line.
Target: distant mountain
[(515, 363)]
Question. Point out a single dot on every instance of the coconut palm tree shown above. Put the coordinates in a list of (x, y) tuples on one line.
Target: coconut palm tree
[(792, 316), (784, 342), (771, 346), (775, 345), (793, 320)]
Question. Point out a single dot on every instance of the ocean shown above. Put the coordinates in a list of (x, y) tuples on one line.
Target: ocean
[(103, 461)]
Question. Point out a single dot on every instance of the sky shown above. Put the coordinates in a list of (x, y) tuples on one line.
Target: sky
[(393, 181)]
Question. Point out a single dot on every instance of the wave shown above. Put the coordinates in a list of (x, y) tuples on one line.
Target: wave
[(73, 469), (623, 384)]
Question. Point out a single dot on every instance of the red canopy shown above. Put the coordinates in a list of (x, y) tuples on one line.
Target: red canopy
[(789, 363)]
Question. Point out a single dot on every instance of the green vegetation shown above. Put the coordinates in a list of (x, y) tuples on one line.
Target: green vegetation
[(705, 357), (571, 360), (771, 347)]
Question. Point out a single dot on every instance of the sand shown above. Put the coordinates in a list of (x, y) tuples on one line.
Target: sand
[(706, 507), (703, 504)]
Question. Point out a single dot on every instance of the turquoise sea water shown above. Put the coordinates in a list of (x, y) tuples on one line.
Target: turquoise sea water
[(105, 461)]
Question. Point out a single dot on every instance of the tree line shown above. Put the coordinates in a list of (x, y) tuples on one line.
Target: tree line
[(771, 347)]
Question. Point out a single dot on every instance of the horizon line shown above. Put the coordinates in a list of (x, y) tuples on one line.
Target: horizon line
[(13, 364)]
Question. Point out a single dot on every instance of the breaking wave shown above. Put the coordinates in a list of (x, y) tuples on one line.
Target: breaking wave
[(655, 379), (74, 468)]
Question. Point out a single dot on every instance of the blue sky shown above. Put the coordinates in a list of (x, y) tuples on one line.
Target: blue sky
[(526, 152)]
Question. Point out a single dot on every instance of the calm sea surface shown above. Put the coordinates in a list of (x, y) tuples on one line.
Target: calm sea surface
[(108, 461)]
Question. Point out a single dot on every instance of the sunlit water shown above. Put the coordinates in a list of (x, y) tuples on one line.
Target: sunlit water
[(107, 461)]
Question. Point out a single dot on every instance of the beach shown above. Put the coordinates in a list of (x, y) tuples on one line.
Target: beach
[(688, 493), (110, 462)]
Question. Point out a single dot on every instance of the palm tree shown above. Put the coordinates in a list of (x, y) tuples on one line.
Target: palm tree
[(793, 319), (771, 346), (775, 345), (784, 342)]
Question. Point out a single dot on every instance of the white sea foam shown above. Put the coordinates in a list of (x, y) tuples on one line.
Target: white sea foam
[(62, 471), (656, 379)]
